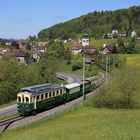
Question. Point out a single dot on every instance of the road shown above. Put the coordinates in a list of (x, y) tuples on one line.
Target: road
[(70, 78)]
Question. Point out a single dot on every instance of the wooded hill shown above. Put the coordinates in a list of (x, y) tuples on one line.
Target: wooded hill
[(96, 24)]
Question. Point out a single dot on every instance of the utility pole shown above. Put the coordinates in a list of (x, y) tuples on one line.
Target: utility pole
[(113, 61), (109, 63), (102, 60), (106, 64), (83, 77)]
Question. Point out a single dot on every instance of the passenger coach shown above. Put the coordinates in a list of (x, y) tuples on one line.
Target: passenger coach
[(34, 98)]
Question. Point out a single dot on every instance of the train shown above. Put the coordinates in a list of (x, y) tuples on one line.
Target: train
[(33, 99)]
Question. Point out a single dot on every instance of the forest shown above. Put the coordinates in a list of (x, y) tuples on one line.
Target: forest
[(96, 24)]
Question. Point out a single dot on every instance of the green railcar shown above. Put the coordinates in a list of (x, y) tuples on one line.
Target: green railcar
[(87, 87), (72, 91), (34, 98)]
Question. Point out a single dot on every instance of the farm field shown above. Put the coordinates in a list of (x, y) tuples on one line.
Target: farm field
[(80, 124)]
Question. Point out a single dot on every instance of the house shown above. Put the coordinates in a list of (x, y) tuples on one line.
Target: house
[(89, 51), (109, 49), (122, 35), (115, 32), (109, 35), (65, 39), (21, 56), (4, 50), (57, 40), (76, 49), (79, 41), (133, 34), (36, 57)]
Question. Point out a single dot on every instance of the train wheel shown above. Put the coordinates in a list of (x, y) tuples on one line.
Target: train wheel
[(34, 112), (22, 114)]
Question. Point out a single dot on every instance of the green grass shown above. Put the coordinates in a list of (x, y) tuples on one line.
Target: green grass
[(94, 42), (63, 67), (7, 104), (100, 42), (133, 61), (82, 123), (9, 116)]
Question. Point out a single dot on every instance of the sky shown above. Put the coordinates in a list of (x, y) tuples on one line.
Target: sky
[(21, 18)]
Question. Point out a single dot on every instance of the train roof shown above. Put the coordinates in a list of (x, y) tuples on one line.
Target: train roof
[(73, 85), (92, 78), (85, 82), (40, 88)]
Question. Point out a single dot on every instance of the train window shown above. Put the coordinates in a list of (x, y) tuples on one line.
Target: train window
[(26, 99), (19, 99), (41, 96), (61, 92), (31, 99), (50, 94), (46, 95), (57, 92), (53, 93), (38, 98), (23, 99)]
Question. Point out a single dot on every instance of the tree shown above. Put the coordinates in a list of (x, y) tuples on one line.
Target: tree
[(10, 79)]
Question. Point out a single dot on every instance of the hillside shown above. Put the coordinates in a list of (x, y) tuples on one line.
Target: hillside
[(96, 23)]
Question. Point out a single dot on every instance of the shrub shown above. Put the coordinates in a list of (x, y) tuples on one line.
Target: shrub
[(121, 90)]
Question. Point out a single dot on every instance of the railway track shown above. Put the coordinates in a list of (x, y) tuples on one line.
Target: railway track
[(4, 124), (20, 121)]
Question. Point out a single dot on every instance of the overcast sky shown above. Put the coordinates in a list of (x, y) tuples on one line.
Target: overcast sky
[(21, 18)]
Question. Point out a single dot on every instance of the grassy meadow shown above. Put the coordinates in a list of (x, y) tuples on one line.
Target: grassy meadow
[(7, 104), (94, 42), (82, 123), (99, 42)]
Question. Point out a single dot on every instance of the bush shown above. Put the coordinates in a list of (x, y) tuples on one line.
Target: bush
[(120, 91), (76, 67)]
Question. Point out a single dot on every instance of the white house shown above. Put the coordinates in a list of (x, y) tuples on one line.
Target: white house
[(85, 40), (76, 49), (133, 34), (115, 32)]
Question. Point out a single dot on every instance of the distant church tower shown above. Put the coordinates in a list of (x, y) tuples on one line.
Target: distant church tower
[(85, 40)]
